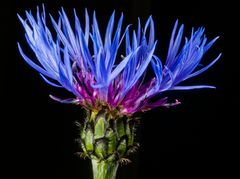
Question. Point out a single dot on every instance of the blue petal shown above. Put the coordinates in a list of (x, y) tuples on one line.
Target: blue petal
[(126, 29), (139, 32), (157, 67), (177, 41), (82, 62), (210, 44), (172, 39), (146, 25), (114, 46), (43, 15), (192, 87), (96, 30), (62, 36), (28, 30), (98, 85), (86, 26), (33, 65), (151, 33), (68, 31), (174, 45), (68, 66), (108, 35), (134, 41), (49, 82), (128, 49), (143, 66), (167, 82), (101, 73), (121, 66), (85, 53), (63, 79), (205, 68)]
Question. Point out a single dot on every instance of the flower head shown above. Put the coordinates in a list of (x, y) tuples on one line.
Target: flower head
[(102, 75)]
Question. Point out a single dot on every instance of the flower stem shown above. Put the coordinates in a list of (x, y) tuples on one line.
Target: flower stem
[(104, 169)]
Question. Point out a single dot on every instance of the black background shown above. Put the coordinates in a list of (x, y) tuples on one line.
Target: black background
[(189, 140)]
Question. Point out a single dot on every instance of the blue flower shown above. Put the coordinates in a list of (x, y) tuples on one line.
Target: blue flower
[(89, 66)]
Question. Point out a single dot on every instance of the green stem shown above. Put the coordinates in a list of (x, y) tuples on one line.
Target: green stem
[(104, 169)]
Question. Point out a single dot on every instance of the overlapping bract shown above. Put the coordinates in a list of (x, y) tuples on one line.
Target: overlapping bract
[(91, 67)]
